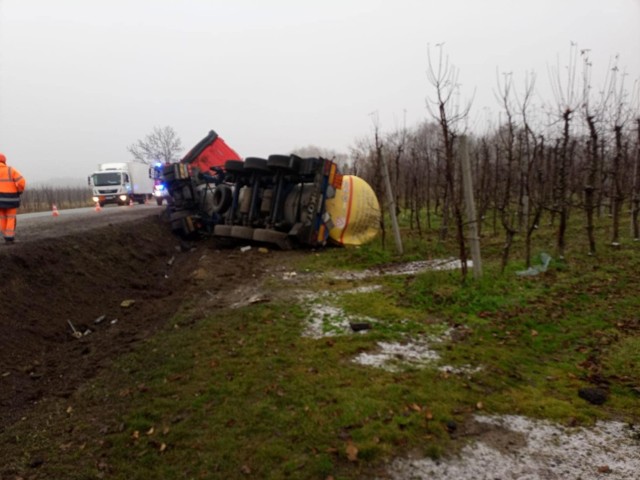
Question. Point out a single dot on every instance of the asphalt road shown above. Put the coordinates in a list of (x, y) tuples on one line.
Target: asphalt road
[(39, 226)]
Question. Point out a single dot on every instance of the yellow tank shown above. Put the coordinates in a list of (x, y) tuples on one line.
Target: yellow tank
[(354, 212)]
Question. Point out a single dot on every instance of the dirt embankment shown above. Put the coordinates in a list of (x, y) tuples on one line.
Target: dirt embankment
[(79, 282)]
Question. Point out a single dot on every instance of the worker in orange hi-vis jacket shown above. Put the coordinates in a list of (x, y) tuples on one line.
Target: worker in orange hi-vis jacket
[(12, 185)]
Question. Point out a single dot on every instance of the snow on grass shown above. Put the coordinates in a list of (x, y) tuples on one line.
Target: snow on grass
[(329, 321), (417, 353), (326, 320), (409, 268), (608, 450), (390, 355)]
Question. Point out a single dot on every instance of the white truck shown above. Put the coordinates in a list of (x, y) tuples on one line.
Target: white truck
[(122, 183)]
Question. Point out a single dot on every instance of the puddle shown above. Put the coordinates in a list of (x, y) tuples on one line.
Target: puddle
[(547, 451)]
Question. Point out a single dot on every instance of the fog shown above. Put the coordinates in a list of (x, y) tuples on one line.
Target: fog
[(80, 81)]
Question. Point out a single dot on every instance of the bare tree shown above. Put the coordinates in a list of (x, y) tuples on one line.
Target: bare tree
[(162, 145), (593, 116), (620, 115), (507, 135), (566, 102), (381, 162), (446, 109), (635, 191)]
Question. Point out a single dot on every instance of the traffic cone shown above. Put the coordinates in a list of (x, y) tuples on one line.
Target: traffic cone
[(54, 210), (98, 207), (131, 202)]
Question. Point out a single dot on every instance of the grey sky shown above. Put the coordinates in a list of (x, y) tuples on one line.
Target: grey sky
[(82, 80)]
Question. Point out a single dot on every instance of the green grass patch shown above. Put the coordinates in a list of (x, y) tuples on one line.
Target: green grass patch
[(242, 393)]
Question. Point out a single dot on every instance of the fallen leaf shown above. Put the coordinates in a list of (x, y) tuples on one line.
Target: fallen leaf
[(352, 452), (428, 414), (604, 469), (246, 469), (150, 431), (127, 303), (415, 407), (69, 409), (135, 435), (534, 333), (163, 447), (479, 406)]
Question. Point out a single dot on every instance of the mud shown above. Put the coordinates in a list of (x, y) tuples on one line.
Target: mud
[(62, 316)]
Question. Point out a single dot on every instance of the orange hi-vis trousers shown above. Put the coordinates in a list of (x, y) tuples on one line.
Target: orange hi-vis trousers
[(8, 222)]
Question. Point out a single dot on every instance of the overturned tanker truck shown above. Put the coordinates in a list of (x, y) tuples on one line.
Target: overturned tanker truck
[(284, 200)]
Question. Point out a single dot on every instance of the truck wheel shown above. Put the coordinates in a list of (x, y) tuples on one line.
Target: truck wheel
[(281, 162), (222, 197), (159, 200), (307, 166), (234, 166), (256, 164)]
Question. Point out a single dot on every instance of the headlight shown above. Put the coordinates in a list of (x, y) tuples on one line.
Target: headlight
[(123, 197), (95, 199)]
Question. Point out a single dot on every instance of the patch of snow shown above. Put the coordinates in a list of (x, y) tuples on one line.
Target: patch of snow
[(550, 451), (325, 320), (362, 289), (329, 321), (390, 354), (409, 268), (460, 370)]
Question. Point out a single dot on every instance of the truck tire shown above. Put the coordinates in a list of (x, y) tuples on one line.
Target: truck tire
[(234, 166), (222, 197), (256, 164), (307, 166), (281, 162), (159, 201)]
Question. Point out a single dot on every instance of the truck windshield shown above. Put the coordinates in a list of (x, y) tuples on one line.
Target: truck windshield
[(104, 179)]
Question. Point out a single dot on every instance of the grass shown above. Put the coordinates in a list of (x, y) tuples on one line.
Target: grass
[(242, 393)]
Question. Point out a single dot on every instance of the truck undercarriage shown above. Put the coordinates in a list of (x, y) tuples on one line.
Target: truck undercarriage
[(284, 200)]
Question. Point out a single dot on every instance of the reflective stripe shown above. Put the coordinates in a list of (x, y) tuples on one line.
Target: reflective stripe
[(11, 182), (8, 222)]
